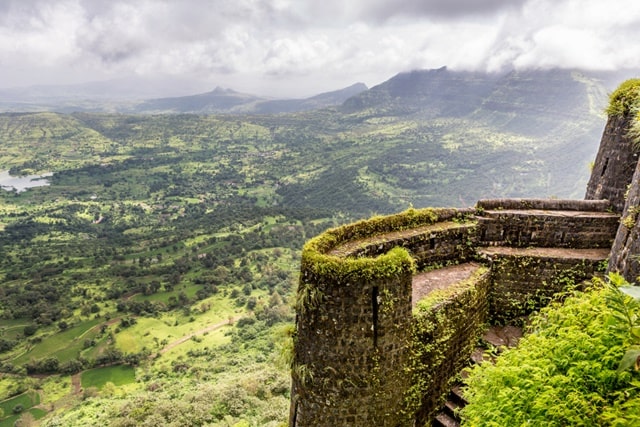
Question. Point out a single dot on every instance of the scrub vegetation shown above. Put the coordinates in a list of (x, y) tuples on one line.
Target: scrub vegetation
[(151, 282), (577, 366)]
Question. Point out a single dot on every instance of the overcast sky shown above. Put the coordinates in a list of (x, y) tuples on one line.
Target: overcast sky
[(303, 47)]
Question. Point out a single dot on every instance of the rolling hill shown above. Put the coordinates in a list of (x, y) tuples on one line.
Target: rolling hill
[(156, 226)]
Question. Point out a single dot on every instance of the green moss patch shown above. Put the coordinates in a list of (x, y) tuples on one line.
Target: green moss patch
[(317, 262)]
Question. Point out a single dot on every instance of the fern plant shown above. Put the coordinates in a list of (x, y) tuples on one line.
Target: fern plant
[(569, 370), (624, 302)]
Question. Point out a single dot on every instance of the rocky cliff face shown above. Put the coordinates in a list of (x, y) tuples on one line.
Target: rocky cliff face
[(614, 164), (616, 177), (626, 247)]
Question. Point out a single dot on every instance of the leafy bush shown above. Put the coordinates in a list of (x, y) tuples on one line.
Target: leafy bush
[(624, 98), (565, 372)]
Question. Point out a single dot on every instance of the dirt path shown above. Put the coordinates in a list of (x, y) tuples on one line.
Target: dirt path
[(76, 386), (209, 328)]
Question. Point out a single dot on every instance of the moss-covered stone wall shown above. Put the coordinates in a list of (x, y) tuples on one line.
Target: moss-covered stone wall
[(554, 223), (523, 282), (351, 354), (362, 358), (354, 322), (445, 330)]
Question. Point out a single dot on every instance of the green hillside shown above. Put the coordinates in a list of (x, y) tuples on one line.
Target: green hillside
[(170, 243)]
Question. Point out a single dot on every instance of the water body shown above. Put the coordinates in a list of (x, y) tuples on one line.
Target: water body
[(22, 183)]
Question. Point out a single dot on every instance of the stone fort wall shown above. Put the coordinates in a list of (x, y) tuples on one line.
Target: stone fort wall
[(366, 353)]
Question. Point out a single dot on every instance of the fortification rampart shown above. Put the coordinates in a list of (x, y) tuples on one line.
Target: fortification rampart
[(389, 309), (354, 318), (368, 353), (547, 223)]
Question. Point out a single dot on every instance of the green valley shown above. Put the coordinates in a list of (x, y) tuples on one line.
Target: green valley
[(150, 282)]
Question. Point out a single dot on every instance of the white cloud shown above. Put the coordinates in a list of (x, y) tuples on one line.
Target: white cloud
[(45, 37), (295, 46), (579, 48)]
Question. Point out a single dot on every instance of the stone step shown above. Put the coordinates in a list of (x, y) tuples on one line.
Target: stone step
[(444, 420), (451, 408), (441, 278), (479, 356), (501, 337), (457, 395), (548, 228)]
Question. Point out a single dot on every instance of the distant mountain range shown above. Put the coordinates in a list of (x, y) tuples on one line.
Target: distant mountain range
[(229, 101), (125, 97), (433, 92), (442, 92)]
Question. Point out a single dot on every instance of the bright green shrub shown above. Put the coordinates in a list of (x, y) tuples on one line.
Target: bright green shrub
[(565, 372), (624, 98)]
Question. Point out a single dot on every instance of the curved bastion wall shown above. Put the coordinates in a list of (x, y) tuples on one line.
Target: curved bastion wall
[(372, 347), (367, 353), (354, 317)]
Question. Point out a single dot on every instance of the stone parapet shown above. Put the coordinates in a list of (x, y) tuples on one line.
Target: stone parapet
[(363, 357), (547, 228), (545, 204)]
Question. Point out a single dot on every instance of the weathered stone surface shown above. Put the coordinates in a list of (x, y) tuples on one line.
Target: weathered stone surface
[(525, 279), (440, 279), (548, 228), (351, 349), (436, 243), (545, 204), (444, 338), (626, 247), (615, 163), (360, 342)]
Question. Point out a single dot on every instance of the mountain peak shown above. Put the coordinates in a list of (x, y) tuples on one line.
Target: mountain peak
[(222, 91)]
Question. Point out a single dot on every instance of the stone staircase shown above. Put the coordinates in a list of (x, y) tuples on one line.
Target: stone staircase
[(500, 338), (534, 248)]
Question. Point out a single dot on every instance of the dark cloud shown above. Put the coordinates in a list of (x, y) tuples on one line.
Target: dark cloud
[(382, 10), (379, 11)]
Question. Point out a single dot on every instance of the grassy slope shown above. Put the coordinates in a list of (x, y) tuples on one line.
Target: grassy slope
[(135, 198)]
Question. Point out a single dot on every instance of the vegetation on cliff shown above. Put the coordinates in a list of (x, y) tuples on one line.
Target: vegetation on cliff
[(156, 229), (625, 98), (567, 370)]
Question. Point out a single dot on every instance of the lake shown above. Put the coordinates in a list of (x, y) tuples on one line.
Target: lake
[(21, 183)]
